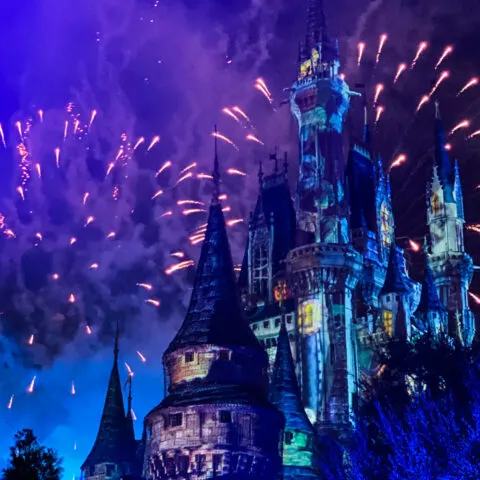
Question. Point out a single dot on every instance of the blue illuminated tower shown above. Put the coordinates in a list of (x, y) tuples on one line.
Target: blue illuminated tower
[(452, 267), (325, 268)]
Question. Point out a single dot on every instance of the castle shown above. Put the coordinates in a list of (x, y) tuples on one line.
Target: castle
[(262, 365)]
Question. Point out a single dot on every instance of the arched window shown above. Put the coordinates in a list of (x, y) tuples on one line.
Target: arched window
[(387, 317), (436, 204), (385, 227)]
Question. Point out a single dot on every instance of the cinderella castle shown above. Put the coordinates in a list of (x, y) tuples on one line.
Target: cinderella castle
[(265, 363)]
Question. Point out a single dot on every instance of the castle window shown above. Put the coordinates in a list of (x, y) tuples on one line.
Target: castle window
[(200, 463), (274, 342), (387, 318), (189, 357), (260, 263), (225, 416), (175, 420), (385, 226), (289, 319), (332, 354), (268, 343), (254, 326), (307, 318), (224, 355), (290, 337), (436, 204), (277, 322), (265, 324), (183, 462), (170, 466), (110, 469), (217, 461), (288, 438)]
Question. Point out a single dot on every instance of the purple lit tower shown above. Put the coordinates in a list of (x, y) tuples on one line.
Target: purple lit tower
[(216, 421), (115, 453)]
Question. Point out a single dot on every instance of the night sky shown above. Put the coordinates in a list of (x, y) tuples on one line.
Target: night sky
[(168, 68)]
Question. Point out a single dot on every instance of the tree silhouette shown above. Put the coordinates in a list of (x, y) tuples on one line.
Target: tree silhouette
[(31, 461)]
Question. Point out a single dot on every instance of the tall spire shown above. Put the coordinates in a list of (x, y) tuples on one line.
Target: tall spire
[(395, 281), (215, 315), (216, 171), (316, 22), (111, 444), (442, 160), (129, 416)]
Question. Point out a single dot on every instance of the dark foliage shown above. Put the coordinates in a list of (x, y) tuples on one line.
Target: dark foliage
[(31, 461)]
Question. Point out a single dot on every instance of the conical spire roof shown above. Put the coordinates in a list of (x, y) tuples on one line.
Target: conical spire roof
[(129, 416), (395, 280), (214, 315), (111, 444), (284, 389), (442, 160), (429, 299)]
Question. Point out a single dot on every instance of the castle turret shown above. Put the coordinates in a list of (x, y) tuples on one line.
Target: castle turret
[(300, 445), (452, 268), (324, 271), (216, 421), (113, 454)]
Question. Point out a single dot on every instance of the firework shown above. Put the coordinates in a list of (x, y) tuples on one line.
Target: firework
[(234, 171), (414, 245), (93, 266), (30, 340), (398, 161), (448, 50), (10, 402), (261, 86), (184, 177), (72, 389), (38, 168), (223, 196), (111, 235), (139, 142), (378, 90), (190, 202), (32, 385), (73, 240), (40, 116), (92, 118), (154, 302), (169, 213), (226, 209), (142, 358), (422, 102), (18, 126), (2, 136), (76, 124), (361, 50), (252, 138), (186, 169), (57, 157), (462, 124), (383, 39), (166, 165), (88, 329), (146, 286), (154, 141), (65, 130), (474, 134), (109, 169), (401, 68), (421, 48), (190, 211), (228, 112), (443, 76), (241, 112), (21, 192), (129, 370), (476, 298), (204, 175), (71, 298), (380, 109), (225, 139), (234, 221), (89, 220), (178, 254), (471, 83), (179, 266), (157, 194)]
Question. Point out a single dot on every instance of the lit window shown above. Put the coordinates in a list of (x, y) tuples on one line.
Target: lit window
[(435, 204), (387, 317), (307, 319), (386, 228), (189, 357)]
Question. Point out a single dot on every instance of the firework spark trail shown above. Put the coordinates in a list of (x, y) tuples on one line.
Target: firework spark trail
[(76, 124), (88, 329), (234, 221), (129, 370), (225, 139), (85, 197), (10, 402), (138, 143), (234, 171), (92, 118), (65, 130), (398, 161), (40, 116), (261, 82), (141, 356), (2, 136), (471, 83), (39, 170), (154, 141), (378, 90), (177, 254), (190, 202), (474, 134), (189, 167), (32, 385), (262, 87), (414, 245), (462, 124), (146, 286), (21, 192), (443, 76), (179, 266), (361, 50), (72, 389), (383, 39), (401, 68), (241, 112), (166, 165), (18, 125), (448, 50), (204, 176), (476, 298), (31, 339), (379, 111), (153, 301), (57, 157), (169, 213), (157, 194), (228, 112), (425, 99), (421, 48), (253, 138), (184, 177), (110, 167), (190, 211)]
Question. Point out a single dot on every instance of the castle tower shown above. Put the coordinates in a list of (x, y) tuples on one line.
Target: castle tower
[(113, 455), (430, 315), (324, 271), (452, 268), (216, 421), (300, 447)]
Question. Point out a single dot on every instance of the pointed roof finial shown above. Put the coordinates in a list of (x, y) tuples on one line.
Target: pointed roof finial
[(115, 347), (437, 110), (216, 171)]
